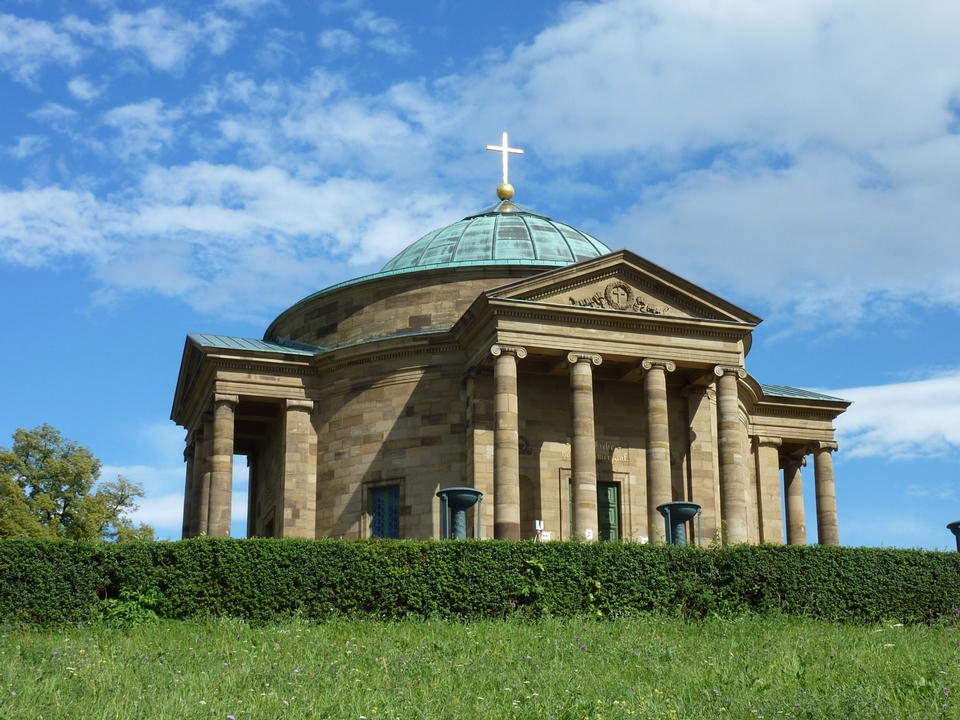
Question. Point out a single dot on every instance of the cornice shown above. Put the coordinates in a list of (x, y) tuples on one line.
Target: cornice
[(252, 365), (766, 407), (588, 317), (805, 413), (373, 357)]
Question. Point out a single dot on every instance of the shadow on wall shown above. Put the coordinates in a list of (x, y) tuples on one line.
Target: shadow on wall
[(385, 446)]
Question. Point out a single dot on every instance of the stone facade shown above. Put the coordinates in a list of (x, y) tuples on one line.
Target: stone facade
[(581, 396)]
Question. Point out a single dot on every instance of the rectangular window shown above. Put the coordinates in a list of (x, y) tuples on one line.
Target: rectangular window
[(385, 511)]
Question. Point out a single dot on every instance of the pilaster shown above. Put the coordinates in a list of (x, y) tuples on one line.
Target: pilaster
[(704, 490), (299, 471), (768, 479)]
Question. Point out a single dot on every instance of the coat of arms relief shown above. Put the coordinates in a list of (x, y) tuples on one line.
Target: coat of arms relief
[(618, 295)]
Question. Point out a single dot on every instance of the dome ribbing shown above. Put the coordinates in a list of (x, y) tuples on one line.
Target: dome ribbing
[(498, 235)]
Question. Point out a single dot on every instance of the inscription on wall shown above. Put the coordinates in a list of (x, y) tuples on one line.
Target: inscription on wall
[(606, 452), (618, 296)]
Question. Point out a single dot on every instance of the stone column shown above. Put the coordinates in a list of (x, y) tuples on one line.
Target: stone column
[(768, 476), (299, 471), (583, 448), (202, 464), (189, 492), (659, 481), (506, 442), (828, 528), (733, 500), (793, 489), (221, 461), (701, 406)]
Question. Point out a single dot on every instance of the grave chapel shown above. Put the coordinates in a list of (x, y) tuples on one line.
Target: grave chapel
[(577, 387)]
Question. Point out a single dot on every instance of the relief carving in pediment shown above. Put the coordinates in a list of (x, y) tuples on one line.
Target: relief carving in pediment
[(617, 295)]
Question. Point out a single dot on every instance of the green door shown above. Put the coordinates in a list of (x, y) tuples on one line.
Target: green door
[(608, 510)]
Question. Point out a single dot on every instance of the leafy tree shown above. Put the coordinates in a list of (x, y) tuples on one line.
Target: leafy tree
[(49, 488)]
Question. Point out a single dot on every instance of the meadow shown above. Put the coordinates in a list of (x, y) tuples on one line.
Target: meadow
[(563, 669)]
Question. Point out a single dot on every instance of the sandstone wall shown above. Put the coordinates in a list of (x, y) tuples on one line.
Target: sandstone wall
[(402, 303)]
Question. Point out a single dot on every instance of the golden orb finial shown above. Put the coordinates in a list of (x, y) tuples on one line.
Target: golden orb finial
[(505, 191)]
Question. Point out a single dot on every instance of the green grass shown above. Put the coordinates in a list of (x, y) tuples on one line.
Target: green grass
[(641, 668)]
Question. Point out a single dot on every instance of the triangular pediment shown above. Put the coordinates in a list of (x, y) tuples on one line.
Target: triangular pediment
[(623, 282)]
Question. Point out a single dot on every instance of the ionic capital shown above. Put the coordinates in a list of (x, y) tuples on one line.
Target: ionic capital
[(829, 445), (299, 404), (220, 398), (721, 370), (665, 365), (769, 441), (498, 350), (574, 357)]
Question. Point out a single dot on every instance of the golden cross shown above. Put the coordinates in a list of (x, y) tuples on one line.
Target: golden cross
[(505, 151)]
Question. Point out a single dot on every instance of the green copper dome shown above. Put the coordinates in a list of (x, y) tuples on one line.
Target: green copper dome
[(504, 234)]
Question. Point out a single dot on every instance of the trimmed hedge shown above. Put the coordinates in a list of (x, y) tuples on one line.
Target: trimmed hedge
[(53, 582)]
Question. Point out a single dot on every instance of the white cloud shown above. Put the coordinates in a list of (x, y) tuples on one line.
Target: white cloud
[(338, 40), (935, 492), (54, 114), (277, 45), (83, 89), (824, 231), (164, 513), (814, 140), (26, 146), (800, 157), (144, 128), (385, 33), (380, 33), (902, 420), (27, 45), (40, 225), (165, 38), (194, 231), (679, 76), (162, 443), (248, 7)]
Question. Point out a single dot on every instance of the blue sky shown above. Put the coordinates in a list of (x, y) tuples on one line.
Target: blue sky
[(177, 167)]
